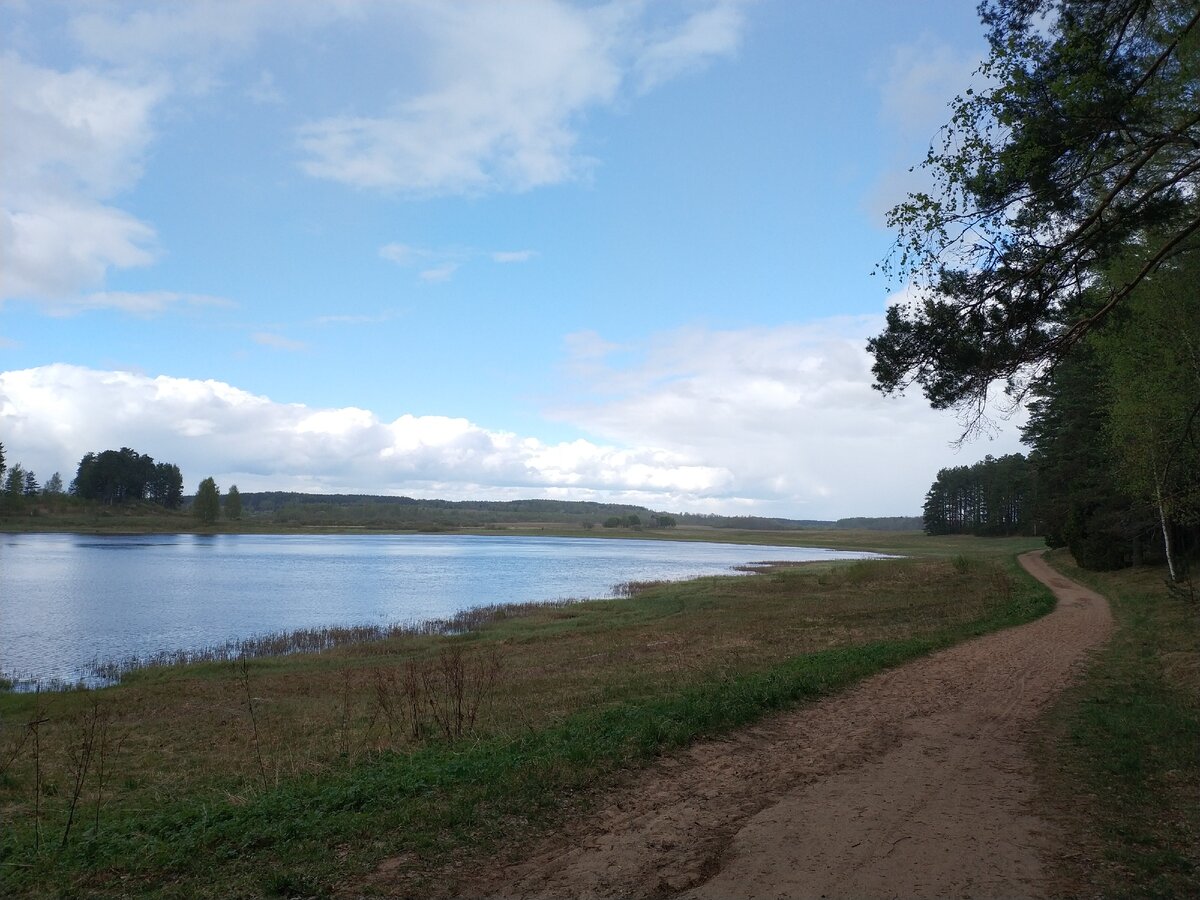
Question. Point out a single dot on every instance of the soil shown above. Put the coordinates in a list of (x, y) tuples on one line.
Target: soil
[(918, 782)]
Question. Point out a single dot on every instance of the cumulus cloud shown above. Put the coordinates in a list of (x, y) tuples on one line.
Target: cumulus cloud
[(779, 421), (788, 411), (50, 416), (70, 142), (511, 82), (492, 97)]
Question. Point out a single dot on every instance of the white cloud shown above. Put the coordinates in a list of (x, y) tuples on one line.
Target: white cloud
[(788, 411), (704, 36), (491, 97), (70, 141), (510, 84), (138, 303), (439, 273), (51, 416), (779, 421), (197, 36)]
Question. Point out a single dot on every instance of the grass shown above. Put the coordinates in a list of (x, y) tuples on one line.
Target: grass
[(1120, 751), (283, 775)]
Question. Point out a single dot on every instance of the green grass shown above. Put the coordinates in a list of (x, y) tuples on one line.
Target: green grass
[(196, 805), (1121, 750)]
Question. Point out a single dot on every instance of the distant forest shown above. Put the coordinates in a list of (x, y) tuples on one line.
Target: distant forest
[(407, 512)]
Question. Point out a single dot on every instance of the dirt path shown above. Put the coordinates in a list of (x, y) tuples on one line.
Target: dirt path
[(914, 783)]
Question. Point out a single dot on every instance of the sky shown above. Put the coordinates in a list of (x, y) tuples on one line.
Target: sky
[(618, 250)]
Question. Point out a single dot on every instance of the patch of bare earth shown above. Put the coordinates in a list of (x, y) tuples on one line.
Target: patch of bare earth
[(917, 782)]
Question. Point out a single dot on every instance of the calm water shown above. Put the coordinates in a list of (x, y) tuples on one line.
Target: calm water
[(68, 601)]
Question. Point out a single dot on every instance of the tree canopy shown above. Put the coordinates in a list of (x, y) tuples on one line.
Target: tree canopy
[(206, 507), (1083, 144), (117, 476), (1059, 251), (233, 503)]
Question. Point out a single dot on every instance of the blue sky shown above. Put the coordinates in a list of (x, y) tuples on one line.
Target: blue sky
[(608, 250)]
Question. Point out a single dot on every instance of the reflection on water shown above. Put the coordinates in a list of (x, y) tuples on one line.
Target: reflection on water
[(68, 602)]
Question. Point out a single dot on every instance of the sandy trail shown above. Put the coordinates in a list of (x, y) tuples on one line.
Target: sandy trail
[(915, 783)]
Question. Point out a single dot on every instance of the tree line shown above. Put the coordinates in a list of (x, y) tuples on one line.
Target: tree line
[(118, 477), (19, 485), (1058, 253), (992, 497)]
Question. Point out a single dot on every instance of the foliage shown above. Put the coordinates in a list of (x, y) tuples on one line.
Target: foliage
[(1084, 142), (14, 482), (1152, 355), (53, 486), (206, 506), (1078, 504), (991, 497), (119, 476), (1116, 433), (233, 503), (166, 488)]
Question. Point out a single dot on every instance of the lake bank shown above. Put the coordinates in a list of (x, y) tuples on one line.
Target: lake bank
[(326, 746), (76, 606)]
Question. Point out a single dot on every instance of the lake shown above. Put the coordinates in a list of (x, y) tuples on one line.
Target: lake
[(70, 601)]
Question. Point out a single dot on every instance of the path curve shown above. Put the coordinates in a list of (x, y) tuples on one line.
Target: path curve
[(916, 782)]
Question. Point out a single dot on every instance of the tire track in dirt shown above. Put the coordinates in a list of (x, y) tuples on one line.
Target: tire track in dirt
[(916, 782)]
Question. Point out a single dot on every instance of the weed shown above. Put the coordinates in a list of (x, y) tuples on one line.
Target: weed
[(244, 673)]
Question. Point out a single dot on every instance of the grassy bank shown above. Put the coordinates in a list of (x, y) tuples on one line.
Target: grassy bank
[(283, 775), (1121, 750)]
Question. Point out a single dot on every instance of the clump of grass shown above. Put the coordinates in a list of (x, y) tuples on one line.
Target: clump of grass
[(633, 588), (306, 640), (964, 564)]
